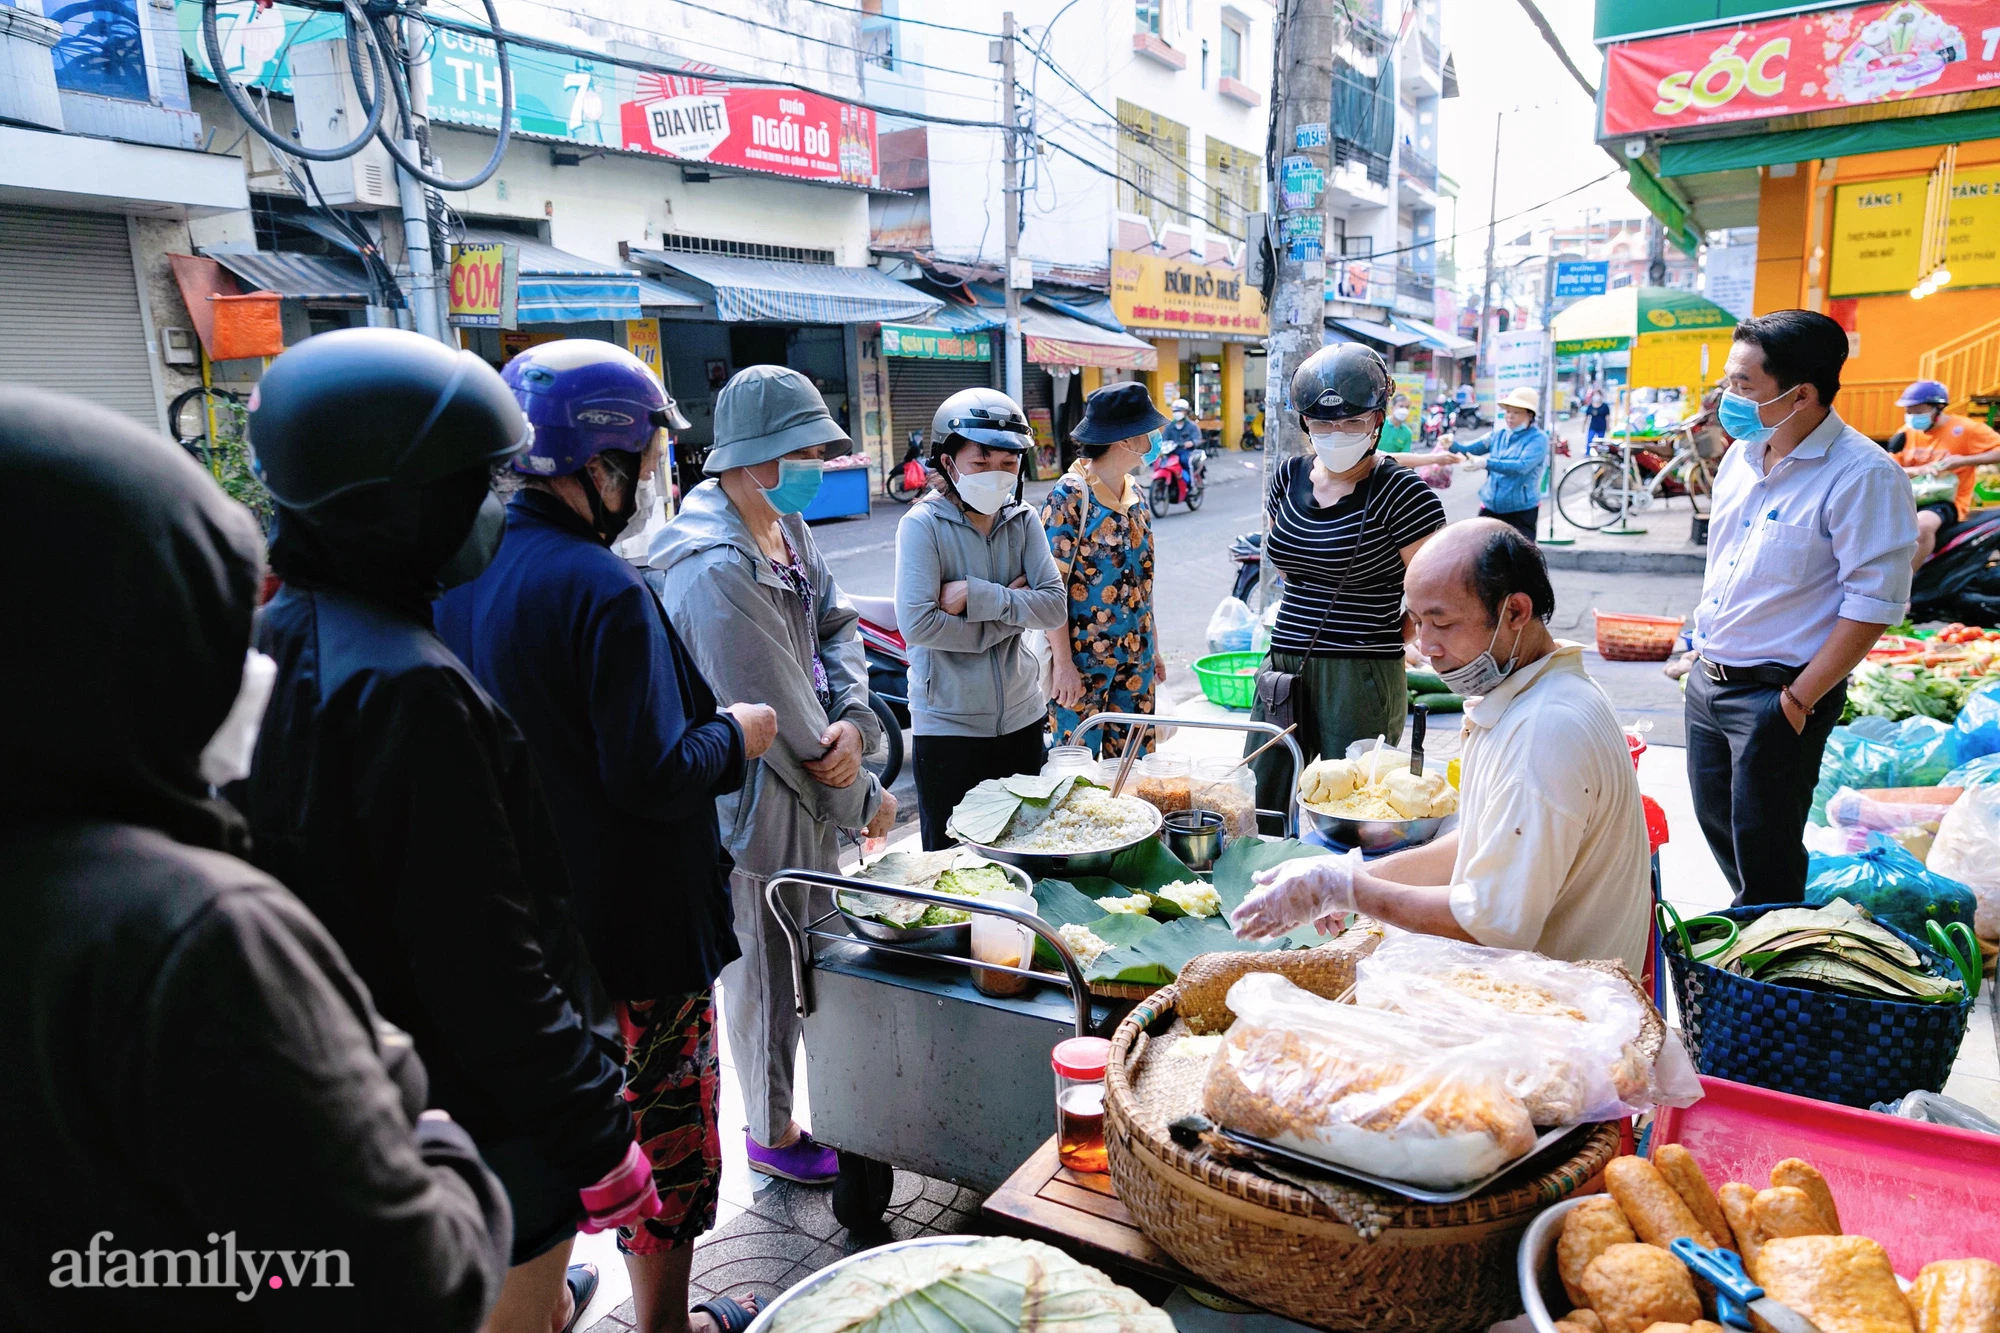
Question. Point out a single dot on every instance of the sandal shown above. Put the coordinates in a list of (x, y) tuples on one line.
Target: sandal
[(582, 1280), (729, 1316)]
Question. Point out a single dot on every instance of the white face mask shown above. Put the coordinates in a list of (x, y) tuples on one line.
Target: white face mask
[(637, 537), (226, 757), (1401, 414), (986, 492), (1342, 453)]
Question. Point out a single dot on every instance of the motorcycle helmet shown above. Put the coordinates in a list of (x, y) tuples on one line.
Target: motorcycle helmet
[(372, 407), (1924, 393), (1339, 382), (584, 396), (980, 416)]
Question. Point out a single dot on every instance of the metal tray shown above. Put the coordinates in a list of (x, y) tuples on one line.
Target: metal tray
[(1313, 1164)]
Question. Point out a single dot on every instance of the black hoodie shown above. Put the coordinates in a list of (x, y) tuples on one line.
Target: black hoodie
[(190, 1066)]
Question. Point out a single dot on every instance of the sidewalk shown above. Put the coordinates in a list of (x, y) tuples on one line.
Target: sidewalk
[(1660, 542)]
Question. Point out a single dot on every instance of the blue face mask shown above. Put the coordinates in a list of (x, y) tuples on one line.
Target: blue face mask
[(1159, 446), (798, 483), (1919, 420), (1740, 415)]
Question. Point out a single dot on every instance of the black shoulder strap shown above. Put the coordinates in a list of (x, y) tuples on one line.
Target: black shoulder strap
[(1353, 556)]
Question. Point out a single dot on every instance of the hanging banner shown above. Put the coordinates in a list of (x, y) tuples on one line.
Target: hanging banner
[(484, 279), (1789, 64), (1878, 233), (642, 339), (1152, 292), (935, 344), (778, 130), (1517, 359)]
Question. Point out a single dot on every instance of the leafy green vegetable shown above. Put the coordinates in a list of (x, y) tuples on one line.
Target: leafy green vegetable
[(1897, 692), (943, 916), (983, 815)]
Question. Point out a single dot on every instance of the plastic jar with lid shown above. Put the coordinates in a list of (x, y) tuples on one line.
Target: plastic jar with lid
[(1079, 1065), (1064, 760), (1228, 787), (1162, 780)]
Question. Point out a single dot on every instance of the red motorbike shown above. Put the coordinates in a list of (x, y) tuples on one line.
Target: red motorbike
[(1172, 486)]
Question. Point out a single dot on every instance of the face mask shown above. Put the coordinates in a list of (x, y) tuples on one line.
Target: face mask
[(1482, 673), (798, 483), (632, 543), (226, 757), (1159, 446), (1919, 420), (481, 544), (986, 492), (1179, 415), (1342, 453), (1740, 416), (1401, 414)]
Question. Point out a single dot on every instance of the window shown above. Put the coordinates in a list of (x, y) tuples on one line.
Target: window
[(1147, 12), (1232, 50), (1153, 160), (1234, 188)]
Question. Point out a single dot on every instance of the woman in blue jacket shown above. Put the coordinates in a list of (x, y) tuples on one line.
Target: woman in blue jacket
[(1516, 454)]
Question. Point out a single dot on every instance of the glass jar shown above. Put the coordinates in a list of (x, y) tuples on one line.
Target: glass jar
[(1079, 1065), (1064, 760), (1228, 787), (1161, 780)]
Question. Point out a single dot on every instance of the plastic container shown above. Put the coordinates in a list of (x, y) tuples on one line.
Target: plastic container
[(1229, 680), (1164, 781), (1230, 789), (1079, 1065), (1064, 760), (995, 939)]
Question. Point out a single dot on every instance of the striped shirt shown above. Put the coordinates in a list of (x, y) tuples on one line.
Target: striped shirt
[(1312, 547)]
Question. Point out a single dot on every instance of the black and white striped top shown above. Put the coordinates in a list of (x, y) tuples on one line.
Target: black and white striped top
[(1311, 547)]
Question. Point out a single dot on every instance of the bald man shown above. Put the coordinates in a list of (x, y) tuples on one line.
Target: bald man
[(1550, 851)]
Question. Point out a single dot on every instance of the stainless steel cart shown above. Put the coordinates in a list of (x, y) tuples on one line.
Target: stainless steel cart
[(1288, 818)]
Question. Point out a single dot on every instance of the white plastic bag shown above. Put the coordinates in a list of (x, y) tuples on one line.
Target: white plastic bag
[(1373, 1091), (1570, 1032), (1967, 849), (1232, 627)]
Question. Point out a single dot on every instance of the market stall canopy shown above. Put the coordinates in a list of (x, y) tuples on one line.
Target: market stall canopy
[(300, 277), (1378, 333), (1053, 339), (768, 289), (1436, 338), (1614, 321), (556, 287)]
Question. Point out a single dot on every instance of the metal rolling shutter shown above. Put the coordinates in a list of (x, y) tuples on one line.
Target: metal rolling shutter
[(69, 310), (917, 387)]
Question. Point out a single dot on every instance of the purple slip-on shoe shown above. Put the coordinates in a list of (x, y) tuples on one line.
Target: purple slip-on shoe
[(803, 1160)]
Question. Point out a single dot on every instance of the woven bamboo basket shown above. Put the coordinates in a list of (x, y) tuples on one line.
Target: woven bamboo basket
[(1427, 1269)]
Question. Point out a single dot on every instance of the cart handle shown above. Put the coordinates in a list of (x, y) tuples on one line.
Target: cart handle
[(1290, 814), (801, 946)]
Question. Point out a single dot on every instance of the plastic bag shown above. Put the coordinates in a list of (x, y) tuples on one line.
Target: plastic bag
[(1937, 1109), (1977, 730), (1976, 773), (1891, 884), (1437, 476), (1967, 850), (1848, 808), (1571, 1032), (1363, 1089), (1232, 627), (1875, 752)]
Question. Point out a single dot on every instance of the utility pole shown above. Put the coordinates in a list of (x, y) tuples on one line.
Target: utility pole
[(425, 310), (1301, 95), (1011, 212), (1492, 223)]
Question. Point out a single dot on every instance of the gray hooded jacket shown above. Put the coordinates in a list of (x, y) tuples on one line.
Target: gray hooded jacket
[(750, 636), (972, 674)]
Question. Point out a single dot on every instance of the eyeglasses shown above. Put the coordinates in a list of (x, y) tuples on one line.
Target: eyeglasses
[(1353, 428)]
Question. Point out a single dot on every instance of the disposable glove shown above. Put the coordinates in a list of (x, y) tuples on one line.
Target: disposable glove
[(1319, 889), (624, 1198)]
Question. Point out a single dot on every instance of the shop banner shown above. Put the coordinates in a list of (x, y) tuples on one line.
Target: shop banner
[(642, 339), (1411, 387), (1729, 277), (779, 130), (1878, 233), (1517, 359), (1149, 291), (484, 279), (1789, 64), (935, 344)]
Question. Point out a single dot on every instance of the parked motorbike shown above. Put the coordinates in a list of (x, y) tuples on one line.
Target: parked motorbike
[(1247, 553), (888, 681), (906, 481), (1961, 580), (1253, 429), (1437, 420), (1468, 418), (1171, 486)]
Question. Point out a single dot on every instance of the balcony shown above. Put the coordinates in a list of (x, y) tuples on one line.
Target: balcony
[(1416, 292), (1419, 170), (1157, 51), (1238, 91)]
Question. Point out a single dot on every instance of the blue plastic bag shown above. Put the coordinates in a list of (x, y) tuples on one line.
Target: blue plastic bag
[(1977, 731), (1891, 884), (1875, 752), (1974, 773)]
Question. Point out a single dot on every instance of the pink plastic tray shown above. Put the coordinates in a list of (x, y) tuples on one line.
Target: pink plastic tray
[(1924, 1191)]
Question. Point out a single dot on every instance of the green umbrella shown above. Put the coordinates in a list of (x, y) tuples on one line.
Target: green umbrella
[(1613, 321)]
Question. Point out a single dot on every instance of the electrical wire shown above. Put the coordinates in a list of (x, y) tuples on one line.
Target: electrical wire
[(899, 18), (387, 38), (239, 101)]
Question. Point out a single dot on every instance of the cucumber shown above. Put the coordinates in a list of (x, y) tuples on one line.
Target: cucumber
[(1426, 682), (1440, 701)]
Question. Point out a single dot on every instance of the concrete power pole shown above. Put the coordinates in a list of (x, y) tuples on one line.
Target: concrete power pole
[(1011, 212), (1492, 223), (1301, 95), (426, 311)]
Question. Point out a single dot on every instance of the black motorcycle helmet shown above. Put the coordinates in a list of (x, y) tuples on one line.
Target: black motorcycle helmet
[(1339, 382), (366, 407), (981, 416)]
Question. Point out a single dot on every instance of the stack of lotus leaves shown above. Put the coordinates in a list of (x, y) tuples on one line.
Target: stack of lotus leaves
[(1838, 947)]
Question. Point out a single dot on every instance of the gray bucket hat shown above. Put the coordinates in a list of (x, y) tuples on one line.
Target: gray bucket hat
[(766, 412)]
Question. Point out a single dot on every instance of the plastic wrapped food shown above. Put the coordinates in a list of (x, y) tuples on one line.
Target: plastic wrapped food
[(1367, 1090), (1376, 785), (1967, 851)]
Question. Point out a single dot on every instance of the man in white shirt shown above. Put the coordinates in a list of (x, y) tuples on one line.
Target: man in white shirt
[(1550, 853), (1811, 531)]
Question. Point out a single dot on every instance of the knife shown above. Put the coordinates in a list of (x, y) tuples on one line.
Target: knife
[(1419, 720), (1736, 1296)]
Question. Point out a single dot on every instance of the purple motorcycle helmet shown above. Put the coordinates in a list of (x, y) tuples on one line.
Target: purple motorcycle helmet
[(1924, 392), (584, 396)]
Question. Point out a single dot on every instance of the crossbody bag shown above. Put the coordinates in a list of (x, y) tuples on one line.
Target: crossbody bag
[(1277, 691)]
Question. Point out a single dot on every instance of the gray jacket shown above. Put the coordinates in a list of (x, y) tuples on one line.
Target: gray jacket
[(972, 674), (751, 639)]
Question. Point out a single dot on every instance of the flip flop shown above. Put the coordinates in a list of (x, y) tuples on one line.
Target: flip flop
[(582, 1279), (729, 1316)]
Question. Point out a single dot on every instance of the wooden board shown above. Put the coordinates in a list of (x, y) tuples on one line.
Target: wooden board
[(1077, 1210)]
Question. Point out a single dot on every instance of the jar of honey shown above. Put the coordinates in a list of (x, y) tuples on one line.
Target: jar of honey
[(1079, 1065)]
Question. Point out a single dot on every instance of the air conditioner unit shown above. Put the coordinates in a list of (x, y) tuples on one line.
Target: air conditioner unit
[(329, 112)]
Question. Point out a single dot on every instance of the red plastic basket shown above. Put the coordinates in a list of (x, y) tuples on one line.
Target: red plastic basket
[(1629, 638)]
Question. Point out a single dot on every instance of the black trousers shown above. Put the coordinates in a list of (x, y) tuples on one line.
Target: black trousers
[(1753, 778), (947, 767), (1521, 520)]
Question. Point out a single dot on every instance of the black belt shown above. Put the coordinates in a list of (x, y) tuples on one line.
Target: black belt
[(1767, 673)]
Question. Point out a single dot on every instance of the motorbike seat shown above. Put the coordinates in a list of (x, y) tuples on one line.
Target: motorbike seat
[(877, 611)]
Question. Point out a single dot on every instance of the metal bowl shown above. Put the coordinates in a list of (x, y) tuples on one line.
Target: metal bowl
[(1376, 835), (1062, 865), (951, 940)]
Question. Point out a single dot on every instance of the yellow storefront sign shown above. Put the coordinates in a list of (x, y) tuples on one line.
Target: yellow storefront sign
[(483, 282), (1878, 232), (1155, 294), (642, 339)]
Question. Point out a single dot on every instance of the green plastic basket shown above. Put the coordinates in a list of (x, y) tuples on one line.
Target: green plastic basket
[(1222, 681)]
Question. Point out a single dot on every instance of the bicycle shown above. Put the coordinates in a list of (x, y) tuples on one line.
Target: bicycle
[(1604, 486)]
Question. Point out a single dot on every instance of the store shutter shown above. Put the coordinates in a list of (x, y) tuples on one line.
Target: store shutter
[(917, 387), (69, 310)]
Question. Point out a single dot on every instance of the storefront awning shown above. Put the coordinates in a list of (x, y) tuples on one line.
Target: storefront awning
[(767, 289), (1436, 338), (301, 277), (659, 296), (1057, 340), (1377, 333), (556, 287)]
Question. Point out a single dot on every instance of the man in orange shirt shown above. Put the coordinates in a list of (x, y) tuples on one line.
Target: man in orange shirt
[(1936, 441)]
